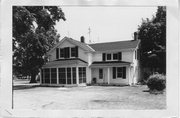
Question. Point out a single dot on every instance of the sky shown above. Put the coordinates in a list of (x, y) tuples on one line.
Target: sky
[(106, 24)]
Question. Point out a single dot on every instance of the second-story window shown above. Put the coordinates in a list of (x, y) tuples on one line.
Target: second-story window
[(108, 56), (73, 52)]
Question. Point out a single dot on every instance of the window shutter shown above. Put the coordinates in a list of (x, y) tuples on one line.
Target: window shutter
[(104, 56), (124, 72), (114, 72), (76, 48), (57, 53), (66, 52), (119, 55)]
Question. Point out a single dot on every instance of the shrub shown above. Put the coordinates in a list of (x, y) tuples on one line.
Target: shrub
[(156, 82)]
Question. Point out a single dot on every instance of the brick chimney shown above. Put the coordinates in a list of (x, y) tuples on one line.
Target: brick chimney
[(135, 35), (82, 39)]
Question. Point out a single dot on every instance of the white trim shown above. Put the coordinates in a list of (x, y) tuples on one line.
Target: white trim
[(77, 75)]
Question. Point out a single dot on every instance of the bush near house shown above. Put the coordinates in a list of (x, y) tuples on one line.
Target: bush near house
[(156, 82)]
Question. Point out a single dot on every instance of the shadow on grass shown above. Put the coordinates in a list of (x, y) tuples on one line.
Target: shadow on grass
[(20, 87)]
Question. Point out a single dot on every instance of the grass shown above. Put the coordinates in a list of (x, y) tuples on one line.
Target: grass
[(89, 97)]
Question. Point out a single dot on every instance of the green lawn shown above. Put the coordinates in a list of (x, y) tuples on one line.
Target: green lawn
[(90, 97)]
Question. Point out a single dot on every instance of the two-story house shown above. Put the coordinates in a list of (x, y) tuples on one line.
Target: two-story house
[(73, 62)]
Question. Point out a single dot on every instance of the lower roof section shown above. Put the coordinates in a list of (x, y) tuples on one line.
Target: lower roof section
[(65, 63), (109, 64)]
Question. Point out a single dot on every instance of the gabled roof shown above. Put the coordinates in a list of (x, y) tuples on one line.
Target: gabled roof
[(118, 45), (75, 42)]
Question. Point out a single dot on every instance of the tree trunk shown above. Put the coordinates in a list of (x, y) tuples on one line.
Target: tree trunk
[(33, 78)]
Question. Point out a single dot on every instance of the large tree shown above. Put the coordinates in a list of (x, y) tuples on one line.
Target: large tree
[(33, 35), (152, 33)]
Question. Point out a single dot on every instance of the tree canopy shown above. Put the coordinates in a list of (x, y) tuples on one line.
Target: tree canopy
[(152, 33), (33, 35)]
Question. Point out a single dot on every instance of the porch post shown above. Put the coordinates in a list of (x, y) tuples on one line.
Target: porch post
[(108, 75), (77, 76), (57, 74)]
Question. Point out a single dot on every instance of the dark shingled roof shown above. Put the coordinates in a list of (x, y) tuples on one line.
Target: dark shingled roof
[(118, 45)]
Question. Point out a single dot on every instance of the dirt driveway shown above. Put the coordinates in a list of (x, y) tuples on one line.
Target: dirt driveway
[(90, 97)]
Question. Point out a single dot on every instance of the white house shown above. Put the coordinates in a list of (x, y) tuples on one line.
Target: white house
[(73, 62)]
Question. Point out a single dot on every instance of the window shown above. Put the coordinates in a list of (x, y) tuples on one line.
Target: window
[(53, 76), (61, 52), (100, 73), (82, 74), (108, 56), (68, 75), (62, 76), (119, 72), (115, 56), (73, 52), (119, 55), (74, 75)]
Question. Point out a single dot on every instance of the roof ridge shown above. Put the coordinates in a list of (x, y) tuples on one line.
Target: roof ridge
[(113, 42)]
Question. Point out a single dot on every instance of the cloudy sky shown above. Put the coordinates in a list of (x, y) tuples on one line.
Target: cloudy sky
[(106, 23)]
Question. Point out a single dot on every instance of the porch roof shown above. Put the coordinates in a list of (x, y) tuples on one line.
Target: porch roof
[(109, 64), (65, 62)]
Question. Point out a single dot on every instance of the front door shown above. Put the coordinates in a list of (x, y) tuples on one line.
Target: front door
[(101, 74)]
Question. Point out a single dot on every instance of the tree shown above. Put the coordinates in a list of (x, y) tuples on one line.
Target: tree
[(33, 35), (152, 34)]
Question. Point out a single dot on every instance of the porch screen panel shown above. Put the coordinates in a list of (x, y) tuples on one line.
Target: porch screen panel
[(53, 76), (62, 76), (47, 75), (80, 75), (42, 75), (74, 75), (84, 74), (68, 75)]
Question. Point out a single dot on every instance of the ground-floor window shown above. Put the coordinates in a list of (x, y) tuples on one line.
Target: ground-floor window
[(82, 74), (119, 72), (42, 76)]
